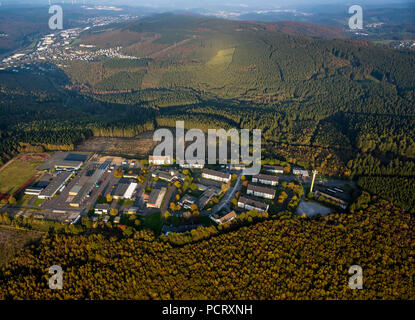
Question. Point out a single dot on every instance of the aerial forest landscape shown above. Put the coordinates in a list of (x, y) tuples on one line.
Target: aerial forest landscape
[(83, 189)]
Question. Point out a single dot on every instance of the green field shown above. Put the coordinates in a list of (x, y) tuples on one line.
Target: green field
[(154, 222), (16, 175)]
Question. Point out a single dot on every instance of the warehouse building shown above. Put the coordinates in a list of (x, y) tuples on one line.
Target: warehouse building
[(156, 198), (66, 165), (33, 191), (56, 184), (75, 190), (89, 185)]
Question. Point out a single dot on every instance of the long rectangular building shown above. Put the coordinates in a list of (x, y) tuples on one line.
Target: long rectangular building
[(156, 198), (57, 183), (250, 204), (273, 169), (216, 175), (262, 192), (265, 179)]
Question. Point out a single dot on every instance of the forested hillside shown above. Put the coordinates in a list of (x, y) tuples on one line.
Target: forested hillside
[(292, 258)]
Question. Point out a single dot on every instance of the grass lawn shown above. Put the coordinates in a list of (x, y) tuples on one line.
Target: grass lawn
[(16, 175), (153, 222), (38, 202)]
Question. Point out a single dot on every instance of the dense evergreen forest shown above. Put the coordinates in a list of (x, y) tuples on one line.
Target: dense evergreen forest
[(282, 258)]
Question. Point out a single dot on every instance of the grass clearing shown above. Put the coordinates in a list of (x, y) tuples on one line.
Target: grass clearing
[(17, 174), (222, 59)]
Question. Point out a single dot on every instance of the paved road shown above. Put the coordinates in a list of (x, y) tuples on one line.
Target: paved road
[(228, 197)]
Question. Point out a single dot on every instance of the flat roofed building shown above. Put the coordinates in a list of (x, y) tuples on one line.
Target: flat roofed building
[(262, 192), (106, 219), (68, 165), (265, 179), (187, 201), (82, 195), (163, 175), (160, 160), (120, 190), (130, 191), (56, 184), (187, 165), (226, 218), (273, 169), (75, 190), (216, 175), (156, 198), (117, 220), (207, 196), (340, 202), (250, 204), (33, 191), (102, 209)]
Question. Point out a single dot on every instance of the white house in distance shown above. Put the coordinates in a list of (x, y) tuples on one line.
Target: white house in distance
[(160, 160), (216, 175), (265, 179), (262, 192)]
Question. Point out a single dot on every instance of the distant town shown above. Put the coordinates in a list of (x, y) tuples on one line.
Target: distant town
[(61, 46)]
